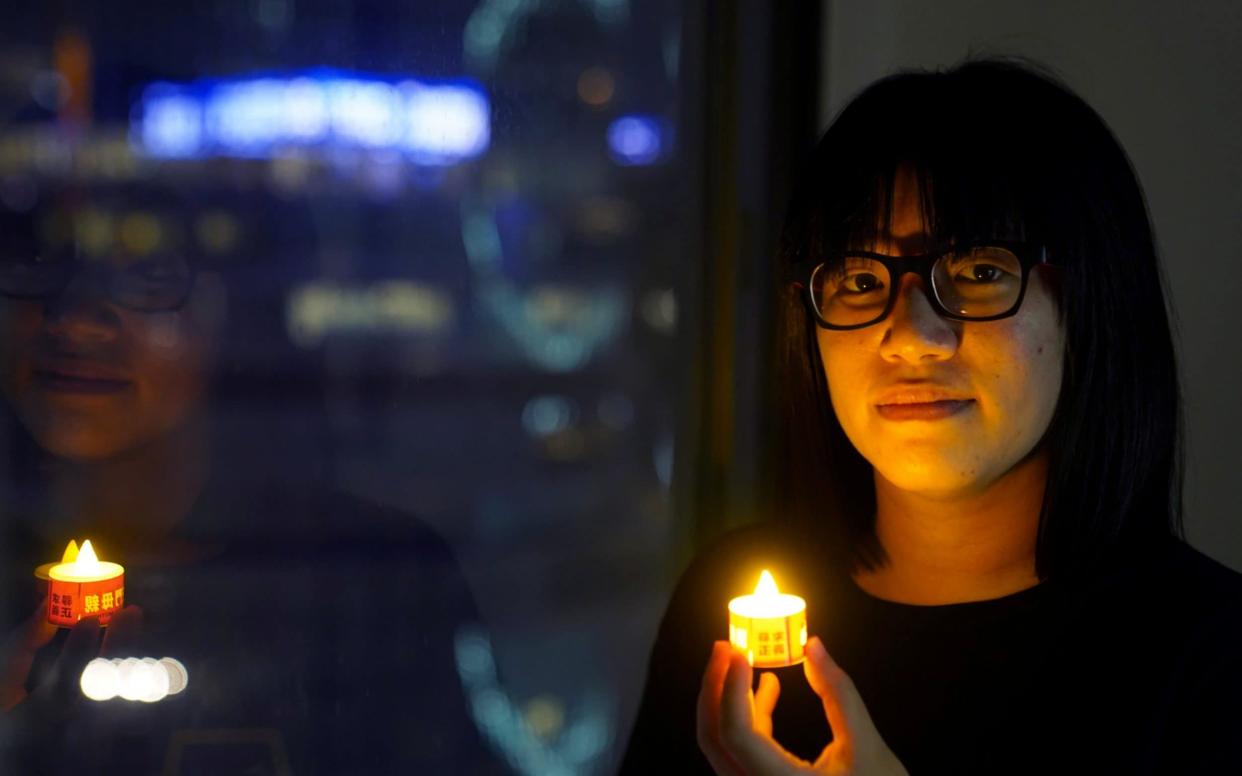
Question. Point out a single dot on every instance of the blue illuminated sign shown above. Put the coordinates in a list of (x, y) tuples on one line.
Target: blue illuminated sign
[(432, 123)]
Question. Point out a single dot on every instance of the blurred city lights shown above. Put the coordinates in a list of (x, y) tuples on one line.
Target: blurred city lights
[(596, 86), (636, 140), (434, 124), (317, 309), (172, 124), (583, 731), (558, 326), (659, 309), (546, 415)]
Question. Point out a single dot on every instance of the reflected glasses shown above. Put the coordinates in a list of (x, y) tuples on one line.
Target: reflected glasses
[(156, 283), (982, 281)]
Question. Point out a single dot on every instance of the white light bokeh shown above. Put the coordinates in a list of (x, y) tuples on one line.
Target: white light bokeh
[(145, 680), (100, 681)]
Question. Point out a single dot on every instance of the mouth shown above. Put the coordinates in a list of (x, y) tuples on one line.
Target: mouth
[(931, 410), (78, 381)]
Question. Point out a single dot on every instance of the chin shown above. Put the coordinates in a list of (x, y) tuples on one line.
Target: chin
[(79, 445), (930, 479)]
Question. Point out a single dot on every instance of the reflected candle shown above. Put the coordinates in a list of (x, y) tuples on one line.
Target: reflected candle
[(84, 587), (69, 556), (770, 626)]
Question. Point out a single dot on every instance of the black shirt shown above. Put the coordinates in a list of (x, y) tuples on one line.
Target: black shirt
[(1135, 670)]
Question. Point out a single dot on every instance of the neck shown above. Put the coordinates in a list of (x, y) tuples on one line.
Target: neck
[(134, 501), (962, 547)]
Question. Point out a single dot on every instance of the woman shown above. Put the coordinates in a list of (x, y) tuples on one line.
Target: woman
[(981, 490), (318, 631)]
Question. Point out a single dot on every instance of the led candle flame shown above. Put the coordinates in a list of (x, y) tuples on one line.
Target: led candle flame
[(69, 556), (84, 587), (769, 625)]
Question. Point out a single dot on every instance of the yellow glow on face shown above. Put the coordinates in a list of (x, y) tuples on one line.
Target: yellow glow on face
[(1011, 368)]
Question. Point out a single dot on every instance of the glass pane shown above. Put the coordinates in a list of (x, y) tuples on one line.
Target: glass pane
[(359, 357)]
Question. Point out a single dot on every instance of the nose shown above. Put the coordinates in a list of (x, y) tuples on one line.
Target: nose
[(81, 311), (915, 331)]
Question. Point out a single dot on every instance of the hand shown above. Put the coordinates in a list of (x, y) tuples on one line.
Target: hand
[(57, 697), (735, 725)]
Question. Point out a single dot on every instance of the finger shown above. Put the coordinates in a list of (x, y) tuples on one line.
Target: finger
[(737, 713), (79, 649), (37, 630), (847, 714), (752, 749), (707, 716), (120, 640), (765, 701), (19, 654)]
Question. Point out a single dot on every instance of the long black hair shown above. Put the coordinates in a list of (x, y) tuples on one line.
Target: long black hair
[(1000, 148)]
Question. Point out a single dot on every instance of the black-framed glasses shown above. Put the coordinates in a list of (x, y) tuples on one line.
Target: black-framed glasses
[(154, 283), (978, 281)]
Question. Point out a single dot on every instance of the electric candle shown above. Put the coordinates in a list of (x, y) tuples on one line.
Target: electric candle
[(769, 625), (84, 587), (69, 556)]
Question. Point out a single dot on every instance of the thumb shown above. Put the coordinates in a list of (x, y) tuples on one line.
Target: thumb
[(123, 633), (847, 714)]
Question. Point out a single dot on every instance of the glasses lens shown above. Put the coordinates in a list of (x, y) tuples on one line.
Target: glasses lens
[(853, 292), (28, 274), (157, 283), (974, 282), (978, 282)]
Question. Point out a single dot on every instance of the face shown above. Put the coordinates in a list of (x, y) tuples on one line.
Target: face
[(1005, 376), (91, 380)]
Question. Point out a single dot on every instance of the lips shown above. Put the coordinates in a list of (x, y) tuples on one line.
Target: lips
[(920, 396), (80, 378), (923, 410), (921, 402)]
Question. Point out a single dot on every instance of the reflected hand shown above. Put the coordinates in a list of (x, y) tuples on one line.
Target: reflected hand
[(735, 724), (56, 698)]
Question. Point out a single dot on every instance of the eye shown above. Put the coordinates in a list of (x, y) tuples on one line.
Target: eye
[(984, 266), (861, 282), (858, 275), (981, 273)]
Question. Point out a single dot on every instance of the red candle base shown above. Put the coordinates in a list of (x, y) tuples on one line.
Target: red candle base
[(68, 602)]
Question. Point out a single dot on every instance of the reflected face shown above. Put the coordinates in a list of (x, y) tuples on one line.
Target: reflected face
[(91, 380), (937, 406)]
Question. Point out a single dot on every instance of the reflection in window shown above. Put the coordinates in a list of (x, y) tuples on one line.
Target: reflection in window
[(389, 476)]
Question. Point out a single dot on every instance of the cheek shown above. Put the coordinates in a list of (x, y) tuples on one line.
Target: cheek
[(844, 358), (21, 323), (1029, 385), (170, 364)]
